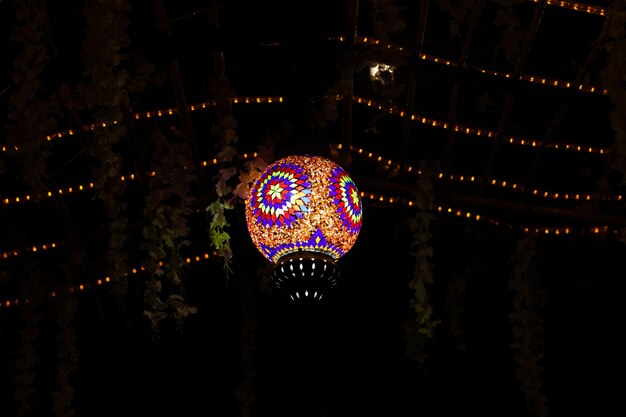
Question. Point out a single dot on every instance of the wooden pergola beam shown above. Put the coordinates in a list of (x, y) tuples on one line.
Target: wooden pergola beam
[(173, 69), (456, 88), (517, 71), (411, 84), (548, 136), (352, 13)]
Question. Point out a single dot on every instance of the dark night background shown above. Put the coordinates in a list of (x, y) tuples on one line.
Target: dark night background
[(345, 356)]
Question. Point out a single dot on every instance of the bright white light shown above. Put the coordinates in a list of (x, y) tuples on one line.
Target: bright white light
[(376, 71)]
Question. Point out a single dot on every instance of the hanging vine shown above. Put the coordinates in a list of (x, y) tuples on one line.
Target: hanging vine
[(511, 36), (234, 177), (614, 79), (225, 129), (424, 324), (65, 306), (527, 324), (228, 195), (105, 95), (31, 317), (168, 204), (387, 19), (32, 114), (455, 306), (458, 10), (326, 110), (31, 111), (245, 392)]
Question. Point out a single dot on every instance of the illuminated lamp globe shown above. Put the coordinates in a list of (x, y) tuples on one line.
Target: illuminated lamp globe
[(303, 214)]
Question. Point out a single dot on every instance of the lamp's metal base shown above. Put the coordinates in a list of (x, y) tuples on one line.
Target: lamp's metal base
[(305, 276)]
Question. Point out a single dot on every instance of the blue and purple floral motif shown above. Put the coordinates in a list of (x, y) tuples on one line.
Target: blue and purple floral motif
[(303, 203), (281, 195), (316, 243), (346, 197)]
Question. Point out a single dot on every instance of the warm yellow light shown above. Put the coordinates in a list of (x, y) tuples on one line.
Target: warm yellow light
[(304, 202)]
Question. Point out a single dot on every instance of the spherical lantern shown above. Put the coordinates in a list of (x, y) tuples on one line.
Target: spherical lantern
[(304, 213)]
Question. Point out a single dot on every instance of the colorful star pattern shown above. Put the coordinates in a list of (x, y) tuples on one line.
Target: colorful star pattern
[(303, 203), (346, 197), (281, 195)]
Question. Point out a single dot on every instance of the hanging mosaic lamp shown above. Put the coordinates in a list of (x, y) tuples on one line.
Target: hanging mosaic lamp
[(304, 213)]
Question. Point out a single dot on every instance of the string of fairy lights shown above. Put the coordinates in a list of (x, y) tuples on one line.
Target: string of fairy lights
[(367, 196), (503, 184), (390, 109), (385, 199), (31, 249), (577, 6), (534, 79), (387, 163), (12, 253), (477, 217), (77, 188), (566, 4), (370, 103), (547, 81), (460, 128), (375, 197), (479, 132), (150, 114), (87, 283)]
